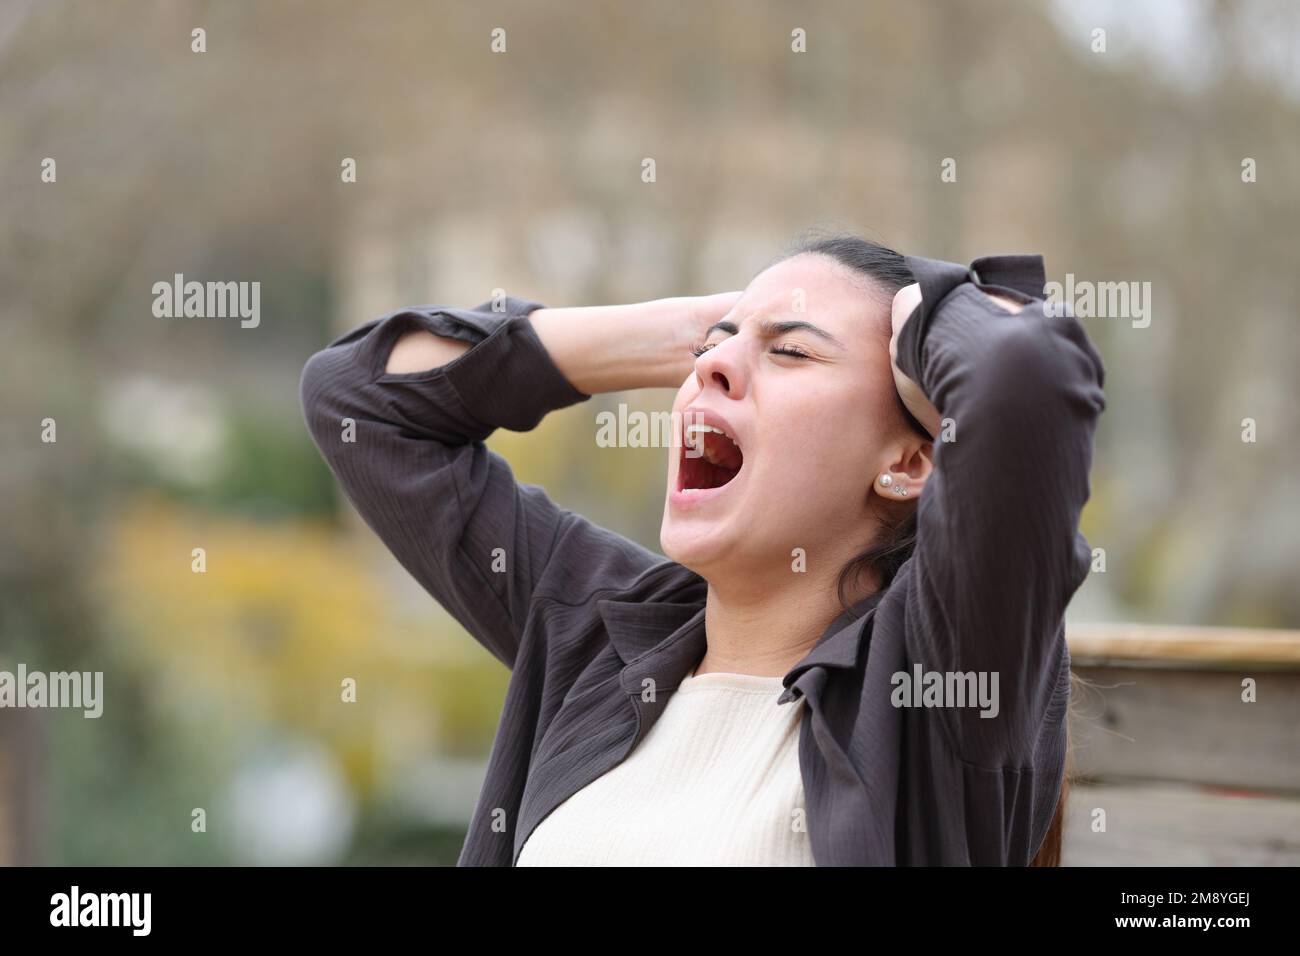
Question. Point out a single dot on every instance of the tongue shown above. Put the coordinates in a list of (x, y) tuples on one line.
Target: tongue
[(706, 475), (722, 451)]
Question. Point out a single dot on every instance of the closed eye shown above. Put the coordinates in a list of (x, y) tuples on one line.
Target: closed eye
[(792, 351)]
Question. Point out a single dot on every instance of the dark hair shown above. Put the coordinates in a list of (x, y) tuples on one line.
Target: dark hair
[(888, 270)]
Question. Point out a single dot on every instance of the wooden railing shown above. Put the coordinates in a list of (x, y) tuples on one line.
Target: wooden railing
[(1189, 646), (1213, 706)]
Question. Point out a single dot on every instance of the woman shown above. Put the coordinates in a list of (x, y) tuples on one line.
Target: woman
[(853, 652)]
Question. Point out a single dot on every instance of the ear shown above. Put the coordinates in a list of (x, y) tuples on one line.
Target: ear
[(905, 471)]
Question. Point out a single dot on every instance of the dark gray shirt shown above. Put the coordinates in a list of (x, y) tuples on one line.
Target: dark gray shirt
[(590, 622)]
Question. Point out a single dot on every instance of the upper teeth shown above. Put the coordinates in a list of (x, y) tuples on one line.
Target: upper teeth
[(693, 430), (697, 446)]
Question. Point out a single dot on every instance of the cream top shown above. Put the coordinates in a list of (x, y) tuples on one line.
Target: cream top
[(715, 782)]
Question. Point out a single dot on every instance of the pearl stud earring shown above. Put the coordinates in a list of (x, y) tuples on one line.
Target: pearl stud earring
[(886, 481)]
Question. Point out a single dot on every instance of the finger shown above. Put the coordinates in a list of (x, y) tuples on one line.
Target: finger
[(906, 300)]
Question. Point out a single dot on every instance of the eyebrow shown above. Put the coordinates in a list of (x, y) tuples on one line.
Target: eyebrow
[(770, 329)]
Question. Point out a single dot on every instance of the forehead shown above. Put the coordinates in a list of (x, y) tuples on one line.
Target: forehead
[(838, 298)]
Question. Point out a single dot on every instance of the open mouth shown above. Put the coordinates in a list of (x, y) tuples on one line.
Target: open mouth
[(710, 458)]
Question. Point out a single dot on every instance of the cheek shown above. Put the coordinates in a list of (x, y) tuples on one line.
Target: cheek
[(825, 454), (685, 393)]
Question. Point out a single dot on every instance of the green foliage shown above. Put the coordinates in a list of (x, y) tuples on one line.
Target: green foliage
[(272, 469)]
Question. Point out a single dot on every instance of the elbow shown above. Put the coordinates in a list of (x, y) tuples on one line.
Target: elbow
[(319, 395)]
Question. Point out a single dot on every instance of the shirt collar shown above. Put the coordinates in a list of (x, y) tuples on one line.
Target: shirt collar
[(666, 639), (636, 627)]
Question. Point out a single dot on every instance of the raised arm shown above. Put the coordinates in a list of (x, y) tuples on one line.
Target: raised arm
[(1014, 397), (400, 407)]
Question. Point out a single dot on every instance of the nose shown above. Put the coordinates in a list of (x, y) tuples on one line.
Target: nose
[(723, 368)]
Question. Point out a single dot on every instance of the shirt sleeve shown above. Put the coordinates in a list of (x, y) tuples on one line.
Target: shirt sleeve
[(998, 552), (407, 449)]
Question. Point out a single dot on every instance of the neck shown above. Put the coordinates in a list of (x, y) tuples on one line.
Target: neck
[(765, 629)]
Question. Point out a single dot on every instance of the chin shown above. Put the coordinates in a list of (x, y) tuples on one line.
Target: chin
[(694, 544)]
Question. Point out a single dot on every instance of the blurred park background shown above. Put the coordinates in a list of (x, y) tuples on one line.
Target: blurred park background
[(522, 170)]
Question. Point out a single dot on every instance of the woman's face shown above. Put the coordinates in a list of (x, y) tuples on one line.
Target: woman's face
[(798, 376)]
